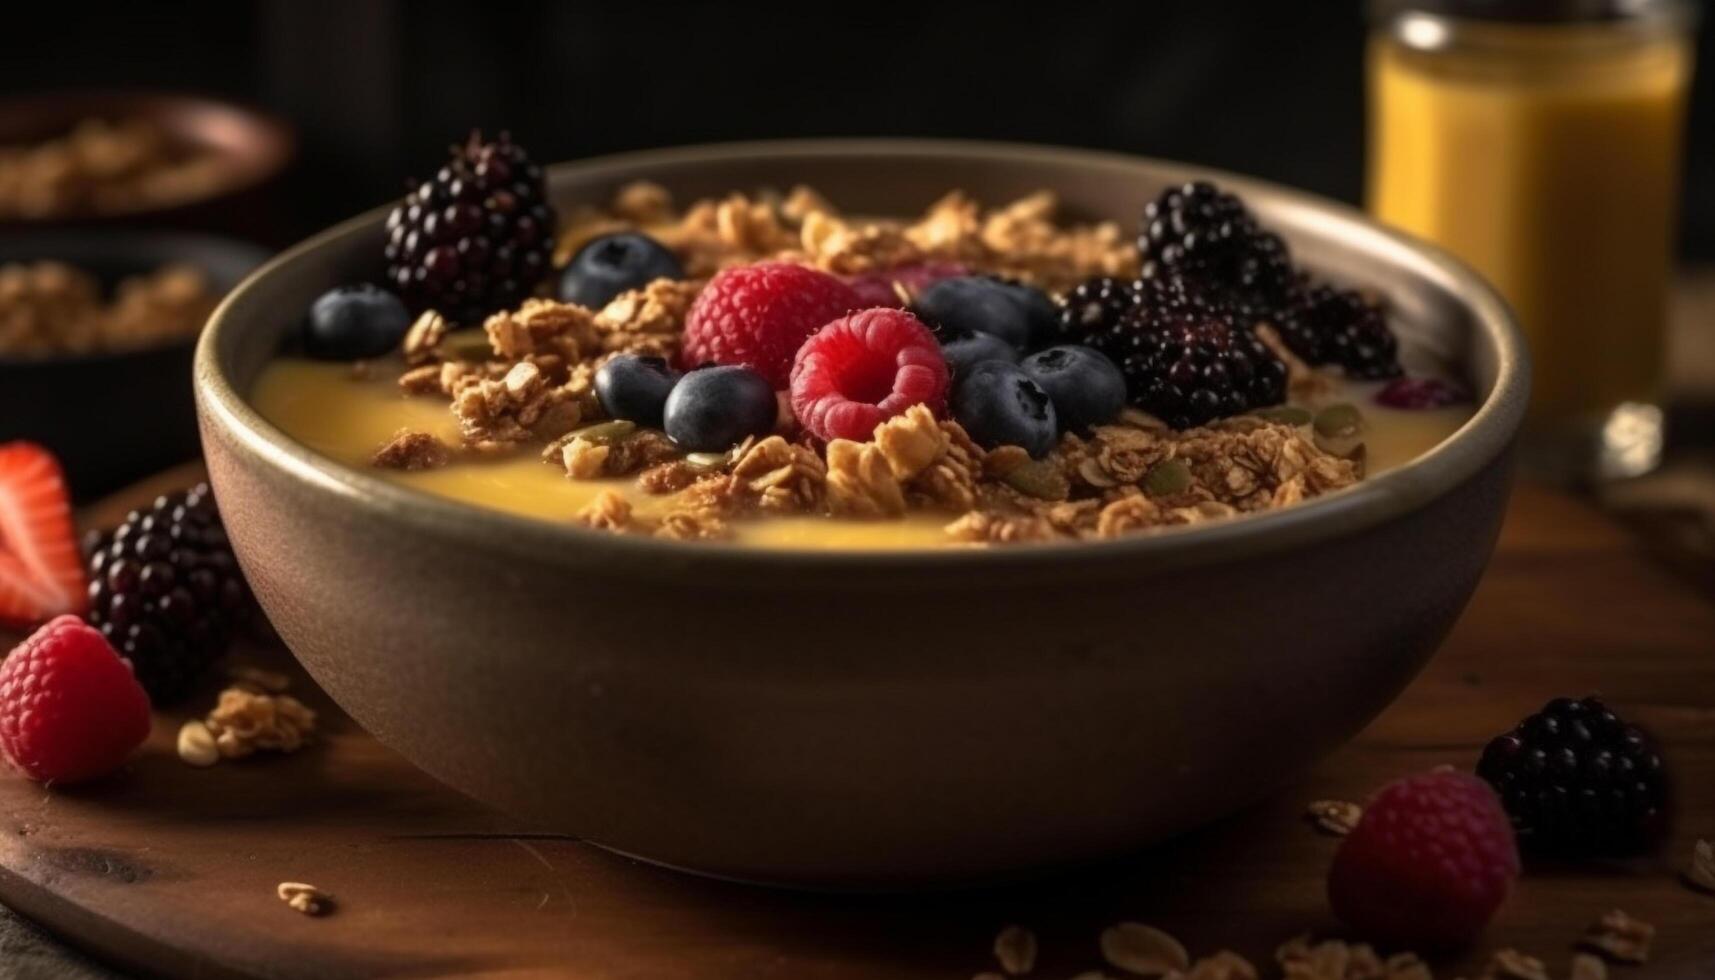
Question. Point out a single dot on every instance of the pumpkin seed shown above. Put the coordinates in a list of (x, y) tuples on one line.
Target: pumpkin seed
[(1166, 478), (706, 461), (1343, 419), (607, 433), (1340, 429), (1038, 478), (1287, 415)]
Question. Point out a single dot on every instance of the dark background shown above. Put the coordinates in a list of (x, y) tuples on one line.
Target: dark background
[(378, 88)]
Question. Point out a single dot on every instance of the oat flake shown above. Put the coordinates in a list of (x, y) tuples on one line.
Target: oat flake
[(1146, 950), (1335, 817), (1015, 948), (1619, 937), (1588, 966), (1516, 965)]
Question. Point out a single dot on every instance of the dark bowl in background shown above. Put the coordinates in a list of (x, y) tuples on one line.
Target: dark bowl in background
[(252, 150), (113, 417)]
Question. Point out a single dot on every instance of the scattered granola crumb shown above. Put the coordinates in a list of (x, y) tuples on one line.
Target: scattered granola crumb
[(196, 745), (1334, 959), (1143, 949), (1335, 817), (1619, 937), (411, 450), (1701, 874), (307, 899), (1015, 948), (1588, 966), (244, 722), (1223, 965), (1510, 963)]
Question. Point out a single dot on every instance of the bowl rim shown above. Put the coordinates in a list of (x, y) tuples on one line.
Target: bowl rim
[(57, 239), (1487, 435)]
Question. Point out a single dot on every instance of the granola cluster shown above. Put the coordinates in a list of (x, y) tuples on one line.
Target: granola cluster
[(1022, 240), (527, 380), (49, 308), (103, 167)]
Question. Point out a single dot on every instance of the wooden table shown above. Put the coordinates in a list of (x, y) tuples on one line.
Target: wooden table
[(173, 869)]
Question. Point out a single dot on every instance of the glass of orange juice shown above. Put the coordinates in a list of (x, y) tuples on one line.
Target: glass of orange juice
[(1539, 140)]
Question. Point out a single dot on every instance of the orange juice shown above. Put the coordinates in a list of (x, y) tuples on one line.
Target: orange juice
[(1547, 156)]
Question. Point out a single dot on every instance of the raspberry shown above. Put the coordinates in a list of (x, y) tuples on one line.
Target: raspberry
[(759, 315), (1429, 863), (861, 370), (878, 288), (70, 709)]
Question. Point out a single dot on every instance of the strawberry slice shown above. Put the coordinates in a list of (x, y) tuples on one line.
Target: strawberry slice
[(41, 571)]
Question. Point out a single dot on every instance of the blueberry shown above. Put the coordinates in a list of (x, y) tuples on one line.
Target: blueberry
[(612, 264), (1086, 387), (965, 349), (1023, 317), (715, 408), (348, 323), (635, 388), (999, 405)]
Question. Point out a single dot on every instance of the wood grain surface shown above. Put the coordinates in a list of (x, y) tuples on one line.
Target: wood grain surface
[(172, 870)]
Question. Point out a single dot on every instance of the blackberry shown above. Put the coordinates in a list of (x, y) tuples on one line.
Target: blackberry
[(475, 239), (1095, 306), (1208, 238), (1188, 363), (1578, 781), (165, 590), (1339, 326)]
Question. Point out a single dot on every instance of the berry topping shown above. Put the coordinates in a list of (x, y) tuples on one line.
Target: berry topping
[(1189, 364), (1000, 405), (1418, 394), (715, 408), (882, 287), (1018, 314), (861, 370), (758, 316), (612, 264), (1579, 781), (475, 239), (964, 349), (1095, 306), (1339, 326), (1207, 237), (40, 573), (166, 591), (1086, 387), (1428, 864), (349, 323), (635, 388), (70, 709)]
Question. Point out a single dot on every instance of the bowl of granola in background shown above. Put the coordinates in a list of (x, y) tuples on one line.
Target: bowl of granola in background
[(877, 719), (173, 160), (97, 330)]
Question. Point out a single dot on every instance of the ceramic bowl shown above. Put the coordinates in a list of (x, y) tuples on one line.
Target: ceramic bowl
[(869, 720), (117, 416)]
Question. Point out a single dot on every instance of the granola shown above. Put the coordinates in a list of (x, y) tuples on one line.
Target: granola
[(526, 382), (50, 308), (244, 722)]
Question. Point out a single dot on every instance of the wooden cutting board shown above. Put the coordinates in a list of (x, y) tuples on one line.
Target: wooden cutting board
[(170, 869)]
